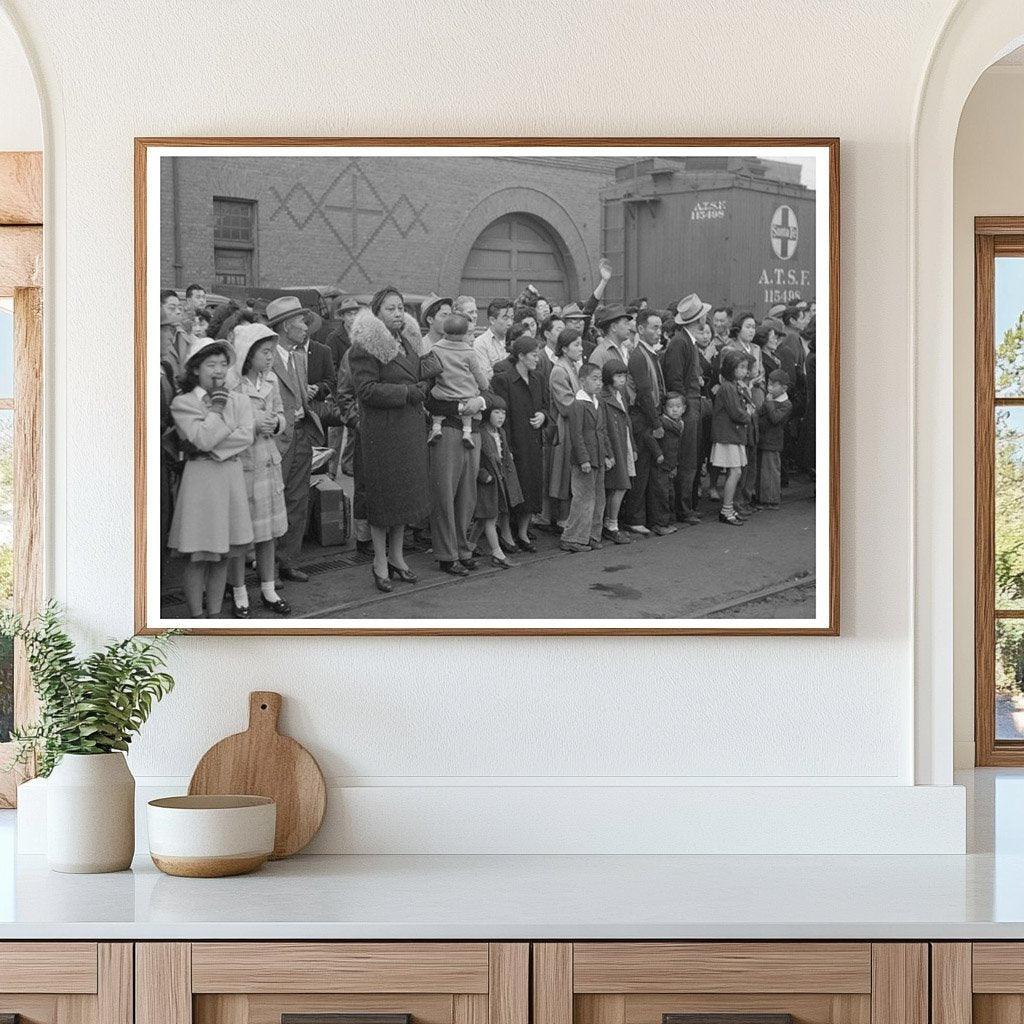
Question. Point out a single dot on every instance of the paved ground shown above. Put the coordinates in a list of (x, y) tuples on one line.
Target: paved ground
[(1009, 717), (764, 569)]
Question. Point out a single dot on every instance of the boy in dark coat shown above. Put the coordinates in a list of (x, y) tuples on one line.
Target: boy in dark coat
[(590, 456), (666, 469), (772, 417)]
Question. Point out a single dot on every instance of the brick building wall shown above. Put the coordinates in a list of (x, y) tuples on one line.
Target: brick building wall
[(361, 222)]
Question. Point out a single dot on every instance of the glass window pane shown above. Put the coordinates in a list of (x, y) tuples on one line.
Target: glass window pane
[(1009, 481), (6, 353), (1009, 338), (1009, 679)]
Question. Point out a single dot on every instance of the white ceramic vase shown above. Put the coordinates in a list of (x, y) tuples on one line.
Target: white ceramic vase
[(90, 814)]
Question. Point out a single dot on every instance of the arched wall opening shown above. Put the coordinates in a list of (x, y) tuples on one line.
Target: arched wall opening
[(976, 34), (989, 153)]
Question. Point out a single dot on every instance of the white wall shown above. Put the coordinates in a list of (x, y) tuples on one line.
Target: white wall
[(987, 181), (21, 126), (429, 717)]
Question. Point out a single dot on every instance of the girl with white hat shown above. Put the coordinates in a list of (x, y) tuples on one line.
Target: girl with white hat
[(211, 518), (261, 463)]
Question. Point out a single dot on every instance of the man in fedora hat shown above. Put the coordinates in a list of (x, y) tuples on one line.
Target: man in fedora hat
[(305, 373), (432, 313), (681, 367), (338, 340), (616, 325)]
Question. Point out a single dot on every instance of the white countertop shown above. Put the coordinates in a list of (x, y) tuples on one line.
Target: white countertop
[(977, 896), (517, 897)]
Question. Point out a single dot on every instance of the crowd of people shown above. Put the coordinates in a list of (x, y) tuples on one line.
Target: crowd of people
[(599, 423)]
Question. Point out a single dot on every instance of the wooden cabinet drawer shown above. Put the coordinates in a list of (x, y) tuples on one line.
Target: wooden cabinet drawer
[(340, 967), (66, 982), (262, 982), (67, 967), (812, 982)]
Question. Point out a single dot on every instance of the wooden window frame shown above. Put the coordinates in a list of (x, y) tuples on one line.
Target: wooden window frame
[(21, 278), (251, 247), (993, 237)]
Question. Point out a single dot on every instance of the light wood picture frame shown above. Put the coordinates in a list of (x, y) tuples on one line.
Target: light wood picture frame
[(332, 220)]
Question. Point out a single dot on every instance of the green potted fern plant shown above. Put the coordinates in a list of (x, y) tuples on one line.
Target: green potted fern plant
[(89, 709)]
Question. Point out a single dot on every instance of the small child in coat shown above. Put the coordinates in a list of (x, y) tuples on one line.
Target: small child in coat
[(773, 416), (590, 457), (498, 491), (212, 522), (462, 376), (663, 473)]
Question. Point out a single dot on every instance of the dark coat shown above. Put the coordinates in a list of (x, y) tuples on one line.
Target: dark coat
[(391, 379), (790, 354), (730, 418), (772, 418), (620, 439), (681, 366), (563, 383), (544, 363), (497, 483), (321, 369), (649, 386), (339, 343), (524, 400), (771, 364), (670, 444), (588, 434)]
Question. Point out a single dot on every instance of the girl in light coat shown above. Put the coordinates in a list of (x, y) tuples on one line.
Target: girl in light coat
[(211, 518), (261, 463)]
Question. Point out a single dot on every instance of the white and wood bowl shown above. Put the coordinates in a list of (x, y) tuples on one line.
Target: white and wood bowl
[(211, 836)]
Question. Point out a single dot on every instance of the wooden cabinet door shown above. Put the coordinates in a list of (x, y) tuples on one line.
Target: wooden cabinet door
[(730, 983), (66, 982), (332, 983), (978, 983)]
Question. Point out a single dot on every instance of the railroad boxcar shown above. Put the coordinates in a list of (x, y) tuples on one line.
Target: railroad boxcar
[(737, 230)]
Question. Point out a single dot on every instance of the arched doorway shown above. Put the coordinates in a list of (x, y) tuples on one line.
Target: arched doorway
[(976, 33), (512, 252)]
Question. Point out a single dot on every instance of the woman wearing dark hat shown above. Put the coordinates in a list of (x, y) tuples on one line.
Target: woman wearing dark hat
[(211, 521), (525, 392), (391, 379)]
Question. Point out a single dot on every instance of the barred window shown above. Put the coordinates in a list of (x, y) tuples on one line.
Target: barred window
[(234, 220)]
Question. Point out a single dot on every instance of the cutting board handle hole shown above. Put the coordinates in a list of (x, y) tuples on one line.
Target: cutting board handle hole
[(263, 707)]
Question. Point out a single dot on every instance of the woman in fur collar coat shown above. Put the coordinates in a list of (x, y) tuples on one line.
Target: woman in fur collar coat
[(391, 376)]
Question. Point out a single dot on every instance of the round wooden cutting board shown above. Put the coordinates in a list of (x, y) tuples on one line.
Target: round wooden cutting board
[(262, 762)]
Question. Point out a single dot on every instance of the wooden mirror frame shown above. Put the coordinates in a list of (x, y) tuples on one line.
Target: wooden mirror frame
[(21, 278)]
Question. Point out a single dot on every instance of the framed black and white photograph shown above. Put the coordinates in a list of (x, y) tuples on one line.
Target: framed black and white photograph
[(454, 386)]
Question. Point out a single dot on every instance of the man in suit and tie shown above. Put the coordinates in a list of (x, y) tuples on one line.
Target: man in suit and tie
[(305, 372), (680, 366), (792, 356)]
